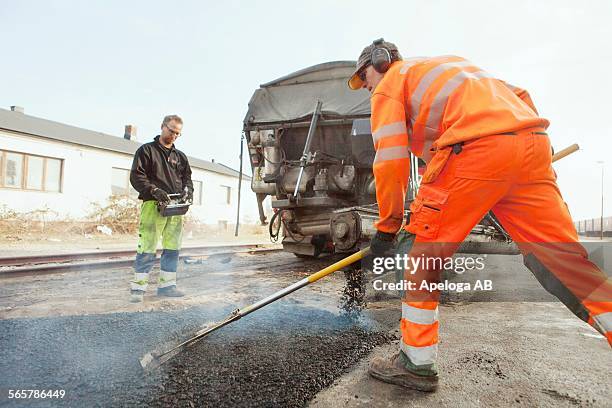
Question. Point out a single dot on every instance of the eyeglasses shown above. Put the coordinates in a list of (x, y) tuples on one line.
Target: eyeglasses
[(174, 132), (362, 74)]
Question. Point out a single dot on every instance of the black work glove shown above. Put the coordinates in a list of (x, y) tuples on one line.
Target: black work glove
[(381, 243), (160, 195), (187, 195)]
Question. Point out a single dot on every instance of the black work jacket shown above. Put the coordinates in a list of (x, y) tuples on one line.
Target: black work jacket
[(157, 166)]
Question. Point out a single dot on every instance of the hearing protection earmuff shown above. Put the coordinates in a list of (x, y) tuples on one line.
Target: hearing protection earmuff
[(380, 56)]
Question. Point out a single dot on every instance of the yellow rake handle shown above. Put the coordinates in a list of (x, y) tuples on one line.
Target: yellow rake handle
[(338, 265)]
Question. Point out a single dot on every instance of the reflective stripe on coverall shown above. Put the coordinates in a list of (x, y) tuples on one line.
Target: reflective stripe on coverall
[(152, 227), (427, 105)]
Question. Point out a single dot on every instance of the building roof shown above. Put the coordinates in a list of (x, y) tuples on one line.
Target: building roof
[(48, 129)]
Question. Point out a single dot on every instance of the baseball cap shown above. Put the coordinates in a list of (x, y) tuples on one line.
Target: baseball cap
[(365, 59)]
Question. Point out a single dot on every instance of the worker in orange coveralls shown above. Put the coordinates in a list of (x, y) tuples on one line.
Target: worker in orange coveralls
[(485, 148)]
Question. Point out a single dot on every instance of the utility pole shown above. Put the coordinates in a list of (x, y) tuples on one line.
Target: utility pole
[(601, 225), (239, 186)]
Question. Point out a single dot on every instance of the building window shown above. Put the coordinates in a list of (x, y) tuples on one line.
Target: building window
[(34, 181), (53, 175), (30, 172), (226, 195), (13, 173), (197, 193), (120, 183)]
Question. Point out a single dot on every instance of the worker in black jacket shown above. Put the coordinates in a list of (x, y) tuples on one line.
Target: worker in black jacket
[(159, 169)]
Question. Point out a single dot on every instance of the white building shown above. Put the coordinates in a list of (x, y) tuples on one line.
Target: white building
[(66, 168)]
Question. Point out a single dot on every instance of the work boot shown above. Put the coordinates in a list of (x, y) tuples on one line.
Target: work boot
[(170, 291), (136, 296), (394, 371)]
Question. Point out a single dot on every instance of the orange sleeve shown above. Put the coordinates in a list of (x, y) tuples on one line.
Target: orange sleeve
[(392, 160), (523, 94)]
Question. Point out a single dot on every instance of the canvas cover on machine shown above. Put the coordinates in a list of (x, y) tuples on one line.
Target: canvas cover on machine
[(293, 97)]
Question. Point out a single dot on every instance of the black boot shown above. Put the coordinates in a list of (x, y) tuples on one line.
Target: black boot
[(170, 291)]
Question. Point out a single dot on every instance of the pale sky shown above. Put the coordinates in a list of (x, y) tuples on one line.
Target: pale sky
[(103, 64)]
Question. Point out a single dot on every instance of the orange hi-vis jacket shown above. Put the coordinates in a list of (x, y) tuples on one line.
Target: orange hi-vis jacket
[(425, 104)]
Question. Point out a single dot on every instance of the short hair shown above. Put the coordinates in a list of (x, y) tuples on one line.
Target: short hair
[(170, 118)]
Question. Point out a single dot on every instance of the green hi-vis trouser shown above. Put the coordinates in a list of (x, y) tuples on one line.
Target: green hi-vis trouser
[(152, 227)]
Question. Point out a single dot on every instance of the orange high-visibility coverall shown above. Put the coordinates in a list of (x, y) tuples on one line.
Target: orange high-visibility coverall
[(426, 105)]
